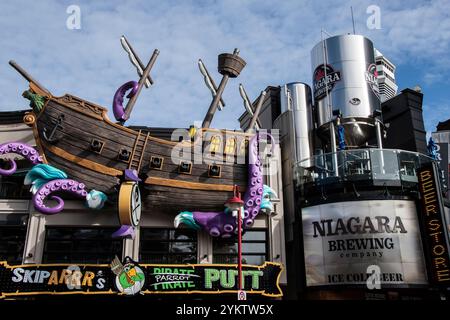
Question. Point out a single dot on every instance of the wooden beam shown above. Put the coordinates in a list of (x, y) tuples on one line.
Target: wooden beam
[(189, 185), (132, 101), (88, 164), (257, 111)]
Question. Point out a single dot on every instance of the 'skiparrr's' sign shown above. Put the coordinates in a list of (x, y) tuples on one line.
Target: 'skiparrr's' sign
[(130, 278), (433, 225)]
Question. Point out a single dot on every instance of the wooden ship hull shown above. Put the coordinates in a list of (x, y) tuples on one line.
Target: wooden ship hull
[(77, 137)]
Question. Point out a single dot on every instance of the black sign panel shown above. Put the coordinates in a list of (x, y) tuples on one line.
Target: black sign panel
[(433, 225), (130, 278)]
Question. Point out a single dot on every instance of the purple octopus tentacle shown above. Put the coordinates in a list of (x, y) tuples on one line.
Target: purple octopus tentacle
[(67, 185), (224, 223), (216, 223), (10, 171), (23, 149), (118, 109), (254, 193)]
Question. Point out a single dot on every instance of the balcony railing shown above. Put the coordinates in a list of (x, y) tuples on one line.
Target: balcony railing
[(381, 166)]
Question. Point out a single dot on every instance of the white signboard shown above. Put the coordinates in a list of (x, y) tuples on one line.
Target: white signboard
[(342, 240)]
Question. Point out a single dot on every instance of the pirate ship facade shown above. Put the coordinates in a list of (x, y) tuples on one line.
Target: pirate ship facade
[(91, 148), (185, 180), (197, 172)]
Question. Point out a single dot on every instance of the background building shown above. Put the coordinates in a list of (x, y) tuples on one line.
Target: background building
[(386, 77), (403, 120), (442, 138)]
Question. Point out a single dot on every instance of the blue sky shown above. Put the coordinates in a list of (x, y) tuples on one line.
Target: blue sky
[(275, 38)]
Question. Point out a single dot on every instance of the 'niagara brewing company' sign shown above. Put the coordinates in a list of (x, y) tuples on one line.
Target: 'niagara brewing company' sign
[(434, 226), (342, 240), (130, 278)]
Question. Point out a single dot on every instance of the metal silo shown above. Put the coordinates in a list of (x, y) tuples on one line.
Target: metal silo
[(345, 81), (296, 97)]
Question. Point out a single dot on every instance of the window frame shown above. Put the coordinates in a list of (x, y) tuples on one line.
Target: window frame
[(168, 240), (103, 259), (244, 253)]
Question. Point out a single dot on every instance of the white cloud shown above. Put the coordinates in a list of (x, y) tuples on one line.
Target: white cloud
[(434, 113), (274, 38)]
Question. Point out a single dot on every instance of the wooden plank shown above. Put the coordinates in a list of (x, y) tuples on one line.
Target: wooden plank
[(110, 149), (73, 144), (80, 120), (227, 171), (166, 151), (91, 179), (82, 162), (197, 175), (77, 144), (189, 185), (164, 199), (162, 151)]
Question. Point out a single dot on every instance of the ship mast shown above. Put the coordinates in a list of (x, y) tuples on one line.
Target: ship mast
[(142, 80), (28, 77), (230, 66)]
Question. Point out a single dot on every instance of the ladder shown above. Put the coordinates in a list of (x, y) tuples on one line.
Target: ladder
[(138, 151)]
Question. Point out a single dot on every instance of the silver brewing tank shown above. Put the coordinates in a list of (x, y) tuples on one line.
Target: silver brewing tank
[(344, 79), (295, 126), (296, 97)]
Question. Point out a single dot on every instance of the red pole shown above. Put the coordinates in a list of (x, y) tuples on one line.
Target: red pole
[(240, 249)]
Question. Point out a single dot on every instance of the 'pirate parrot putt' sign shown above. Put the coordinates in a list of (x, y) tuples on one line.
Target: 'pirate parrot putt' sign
[(130, 278)]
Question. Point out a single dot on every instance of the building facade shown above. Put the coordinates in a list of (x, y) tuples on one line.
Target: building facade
[(353, 171), (81, 236), (442, 138), (386, 76)]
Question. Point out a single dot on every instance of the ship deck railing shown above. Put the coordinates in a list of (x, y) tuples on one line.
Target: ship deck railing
[(389, 167)]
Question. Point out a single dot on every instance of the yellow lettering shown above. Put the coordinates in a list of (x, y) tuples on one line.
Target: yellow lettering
[(438, 250), (431, 208), (88, 277), (53, 278), (438, 261), (75, 279), (425, 175), (65, 274)]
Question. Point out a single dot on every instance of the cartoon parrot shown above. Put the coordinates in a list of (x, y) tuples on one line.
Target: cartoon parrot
[(129, 276)]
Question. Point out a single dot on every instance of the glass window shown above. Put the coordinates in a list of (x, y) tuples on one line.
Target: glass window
[(80, 245), (254, 248), (12, 187), (168, 246), (13, 231), (215, 145)]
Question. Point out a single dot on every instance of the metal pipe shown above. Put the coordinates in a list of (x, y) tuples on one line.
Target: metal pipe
[(240, 248), (379, 137), (333, 149), (132, 101), (257, 111), (27, 76), (380, 145)]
